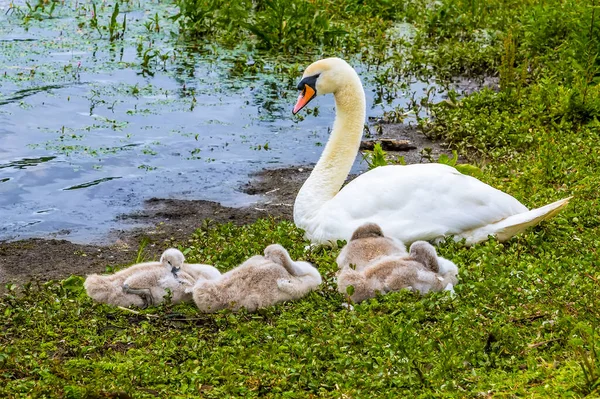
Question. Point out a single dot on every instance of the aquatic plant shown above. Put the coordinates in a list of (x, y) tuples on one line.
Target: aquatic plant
[(277, 25), (147, 57), (42, 9), (290, 27), (114, 30), (206, 18)]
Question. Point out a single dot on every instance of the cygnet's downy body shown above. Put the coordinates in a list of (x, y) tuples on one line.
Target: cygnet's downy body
[(420, 271), (259, 282), (147, 283), (366, 245), (153, 286)]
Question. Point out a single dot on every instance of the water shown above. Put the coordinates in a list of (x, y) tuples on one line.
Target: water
[(86, 136)]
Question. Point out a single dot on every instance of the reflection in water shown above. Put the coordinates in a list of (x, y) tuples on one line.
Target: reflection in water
[(17, 40), (91, 183), (21, 94), (46, 210), (26, 162)]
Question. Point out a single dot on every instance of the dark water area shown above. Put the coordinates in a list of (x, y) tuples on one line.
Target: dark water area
[(89, 130)]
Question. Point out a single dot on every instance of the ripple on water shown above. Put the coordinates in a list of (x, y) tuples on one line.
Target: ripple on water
[(91, 183)]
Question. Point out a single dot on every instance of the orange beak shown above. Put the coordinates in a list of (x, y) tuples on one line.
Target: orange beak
[(304, 98)]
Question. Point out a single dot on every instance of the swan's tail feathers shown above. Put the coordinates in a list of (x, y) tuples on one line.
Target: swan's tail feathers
[(516, 224)]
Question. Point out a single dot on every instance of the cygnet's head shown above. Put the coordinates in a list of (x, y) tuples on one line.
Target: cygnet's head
[(423, 249), (172, 258), (323, 77), (276, 253), (424, 253), (367, 230)]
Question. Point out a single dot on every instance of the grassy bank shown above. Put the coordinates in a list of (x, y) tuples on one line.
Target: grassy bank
[(522, 321)]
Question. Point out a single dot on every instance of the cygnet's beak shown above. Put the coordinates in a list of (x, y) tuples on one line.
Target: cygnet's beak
[(174, 269), (309, 91)]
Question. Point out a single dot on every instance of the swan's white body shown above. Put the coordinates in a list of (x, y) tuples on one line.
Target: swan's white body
[(410, 203)]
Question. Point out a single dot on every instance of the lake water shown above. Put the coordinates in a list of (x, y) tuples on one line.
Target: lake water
[(86, 136)]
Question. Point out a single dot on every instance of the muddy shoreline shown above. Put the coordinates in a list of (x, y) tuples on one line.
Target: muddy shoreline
[(171, 221)]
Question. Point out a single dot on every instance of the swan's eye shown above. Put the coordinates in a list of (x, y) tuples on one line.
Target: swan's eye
[(309, 81)]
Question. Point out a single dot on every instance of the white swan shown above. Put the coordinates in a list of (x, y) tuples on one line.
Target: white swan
[(259, 282), (410, 203)]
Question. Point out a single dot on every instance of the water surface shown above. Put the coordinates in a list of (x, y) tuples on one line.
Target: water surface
[(87, 134)]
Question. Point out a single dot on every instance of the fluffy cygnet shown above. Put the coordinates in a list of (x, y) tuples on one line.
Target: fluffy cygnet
[(366, 245), (259, 282), (147, 283), (420, 270)]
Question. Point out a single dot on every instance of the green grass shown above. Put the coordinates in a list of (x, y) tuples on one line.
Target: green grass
[(520, 324), (525, 315)]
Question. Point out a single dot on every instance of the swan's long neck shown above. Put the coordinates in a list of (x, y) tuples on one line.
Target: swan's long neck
[(340, 152)]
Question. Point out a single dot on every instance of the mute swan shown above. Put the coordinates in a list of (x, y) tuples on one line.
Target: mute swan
[(259, 282), (147, 283), (418, 271), (410, 203), (367, 244)]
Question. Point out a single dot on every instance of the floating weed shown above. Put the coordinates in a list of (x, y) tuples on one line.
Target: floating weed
[(259, 147), (147, 168), (148, 151)]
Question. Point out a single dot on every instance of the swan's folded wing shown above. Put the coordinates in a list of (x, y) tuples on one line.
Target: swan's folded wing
[(423, 201)]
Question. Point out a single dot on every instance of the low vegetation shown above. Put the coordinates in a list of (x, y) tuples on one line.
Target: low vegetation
[(524, 318), (520, 323)]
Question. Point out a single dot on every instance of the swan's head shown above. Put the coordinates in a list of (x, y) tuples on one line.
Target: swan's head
[(323, 77), (173, 259), (367, 230)]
